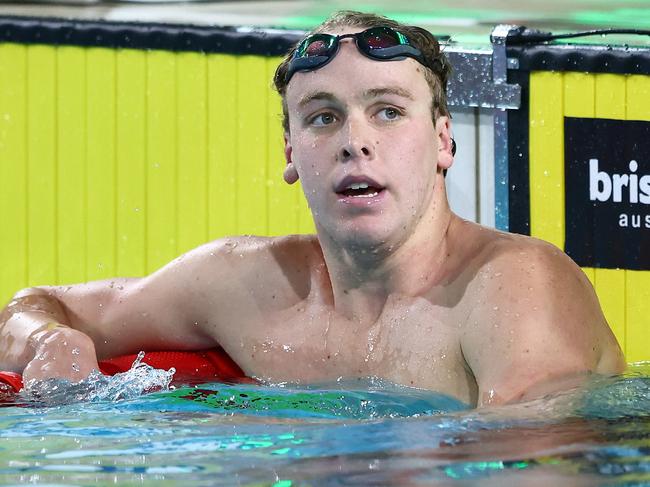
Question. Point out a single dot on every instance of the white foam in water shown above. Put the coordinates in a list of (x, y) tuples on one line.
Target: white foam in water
[(140, 379)]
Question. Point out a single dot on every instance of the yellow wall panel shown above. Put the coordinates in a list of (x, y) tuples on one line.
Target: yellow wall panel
[(71, 137), (547, 157), (101, 171), (114, 161), (161, 171), (610, 96), (252, 90), (610, 286), (282, 198), (192, 150), (13, 169), (222, 145), (41, 165), (131, 156), (610, 283), (579, 94), (638, 282), (637, 344)]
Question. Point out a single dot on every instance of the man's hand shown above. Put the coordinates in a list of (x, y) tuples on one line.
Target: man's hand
[(61, 352)]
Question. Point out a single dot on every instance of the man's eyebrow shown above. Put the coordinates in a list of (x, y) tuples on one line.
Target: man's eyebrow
[(316, 95), (389, 90)]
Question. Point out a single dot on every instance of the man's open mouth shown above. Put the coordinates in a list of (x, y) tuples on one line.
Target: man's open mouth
[(361, 190), (358, 187)]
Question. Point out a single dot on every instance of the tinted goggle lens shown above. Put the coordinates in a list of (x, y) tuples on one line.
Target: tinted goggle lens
[(381, 38), (316, 45)]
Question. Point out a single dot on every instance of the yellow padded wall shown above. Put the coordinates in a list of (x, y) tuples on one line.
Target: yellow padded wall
[(71, 162), (113, 162), (624, 294), (13, 167)]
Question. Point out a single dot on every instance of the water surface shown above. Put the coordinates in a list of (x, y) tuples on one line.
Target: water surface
[(361, 432)]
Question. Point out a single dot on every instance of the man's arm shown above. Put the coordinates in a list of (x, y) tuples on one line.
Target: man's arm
[(542, 328), (61, 331)]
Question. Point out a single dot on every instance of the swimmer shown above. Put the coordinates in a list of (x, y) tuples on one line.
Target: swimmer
[(393, 284)]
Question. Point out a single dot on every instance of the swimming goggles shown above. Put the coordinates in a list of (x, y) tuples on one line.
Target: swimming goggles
[(379, 43)]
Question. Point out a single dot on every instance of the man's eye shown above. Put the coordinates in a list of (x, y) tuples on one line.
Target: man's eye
[(389, 113), (323, 119)]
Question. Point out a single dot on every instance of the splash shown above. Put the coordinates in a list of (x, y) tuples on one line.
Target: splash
[(140, 379)]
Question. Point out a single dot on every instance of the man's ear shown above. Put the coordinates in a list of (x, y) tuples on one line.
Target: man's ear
[(445, 142), (290, 173)]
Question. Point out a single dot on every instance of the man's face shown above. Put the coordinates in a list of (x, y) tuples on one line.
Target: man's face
[(364, 146)]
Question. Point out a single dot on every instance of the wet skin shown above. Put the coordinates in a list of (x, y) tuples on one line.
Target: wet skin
[(393, 285)]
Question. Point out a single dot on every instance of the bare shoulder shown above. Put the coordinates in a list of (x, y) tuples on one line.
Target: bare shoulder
[(536, 318), (518, 269), (254, 262)]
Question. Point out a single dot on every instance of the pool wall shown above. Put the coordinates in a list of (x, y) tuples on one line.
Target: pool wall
[(582, 104), (113, 161)]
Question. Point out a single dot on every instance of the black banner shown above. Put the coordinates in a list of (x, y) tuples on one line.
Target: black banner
[(607, 192)]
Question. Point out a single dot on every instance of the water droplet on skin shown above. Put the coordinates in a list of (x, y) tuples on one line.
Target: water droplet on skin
[(75, 367), (75, 351), (230, 246), (496, 308)]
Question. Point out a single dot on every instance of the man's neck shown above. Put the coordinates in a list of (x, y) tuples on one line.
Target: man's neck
[(363, 279)]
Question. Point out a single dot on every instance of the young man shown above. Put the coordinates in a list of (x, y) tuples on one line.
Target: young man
[(393, 285)]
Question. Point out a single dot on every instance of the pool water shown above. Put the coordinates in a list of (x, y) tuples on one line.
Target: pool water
[(358, 432)]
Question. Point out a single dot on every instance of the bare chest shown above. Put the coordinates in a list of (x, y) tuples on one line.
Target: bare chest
[(413, 343)]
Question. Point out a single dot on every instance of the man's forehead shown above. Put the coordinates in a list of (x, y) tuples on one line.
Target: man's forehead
[(339, 30)]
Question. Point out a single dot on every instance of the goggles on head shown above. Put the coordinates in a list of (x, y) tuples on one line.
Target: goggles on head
[(379, 43)]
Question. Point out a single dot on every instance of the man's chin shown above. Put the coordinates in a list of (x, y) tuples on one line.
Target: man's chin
[(363, 239)]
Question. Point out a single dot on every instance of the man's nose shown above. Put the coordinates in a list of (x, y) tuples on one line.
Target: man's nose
[(357, 142)]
